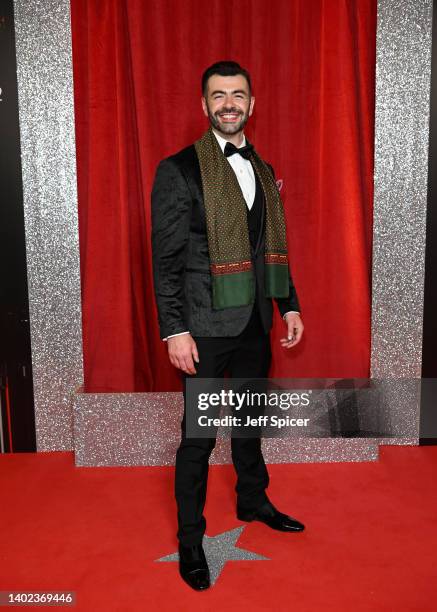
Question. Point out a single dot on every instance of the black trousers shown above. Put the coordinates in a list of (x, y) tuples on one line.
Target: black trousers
[(248, 354)]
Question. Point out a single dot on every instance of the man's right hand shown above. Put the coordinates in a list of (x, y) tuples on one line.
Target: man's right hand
[(181, 351)]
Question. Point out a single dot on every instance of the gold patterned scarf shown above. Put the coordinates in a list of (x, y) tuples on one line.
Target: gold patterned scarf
[(233, 281)]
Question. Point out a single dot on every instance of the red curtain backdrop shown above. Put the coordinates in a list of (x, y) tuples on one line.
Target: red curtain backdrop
[(137, 70)]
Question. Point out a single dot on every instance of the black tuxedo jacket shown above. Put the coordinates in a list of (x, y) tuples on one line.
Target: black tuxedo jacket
[(181, 265)]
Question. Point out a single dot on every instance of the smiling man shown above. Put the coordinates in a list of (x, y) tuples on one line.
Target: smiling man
[(219, 259)]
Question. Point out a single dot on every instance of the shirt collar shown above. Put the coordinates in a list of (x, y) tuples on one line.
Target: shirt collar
[(222, 142)]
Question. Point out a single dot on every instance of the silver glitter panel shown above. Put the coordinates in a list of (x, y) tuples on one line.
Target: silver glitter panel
[(401, 159), (45, 91), (115, 429)]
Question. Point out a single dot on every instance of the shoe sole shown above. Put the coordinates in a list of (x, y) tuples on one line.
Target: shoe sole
[(250, 519)]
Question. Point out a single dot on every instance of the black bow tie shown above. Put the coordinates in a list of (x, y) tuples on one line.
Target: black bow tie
[(245, 151)]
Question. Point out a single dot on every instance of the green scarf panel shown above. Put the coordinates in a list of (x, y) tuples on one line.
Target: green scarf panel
[(233, 279)]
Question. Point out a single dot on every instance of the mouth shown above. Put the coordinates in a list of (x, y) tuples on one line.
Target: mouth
[(229, 117)]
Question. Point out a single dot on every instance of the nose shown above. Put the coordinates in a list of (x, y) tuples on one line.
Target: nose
[(229, 100)]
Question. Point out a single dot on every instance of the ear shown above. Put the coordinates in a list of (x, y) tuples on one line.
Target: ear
[(205, 110), (252, 104)]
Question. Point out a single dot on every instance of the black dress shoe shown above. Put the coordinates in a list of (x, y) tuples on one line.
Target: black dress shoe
[(268, 514), (193, 567)]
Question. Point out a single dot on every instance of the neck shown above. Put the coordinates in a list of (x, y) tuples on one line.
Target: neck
[(235, 139)]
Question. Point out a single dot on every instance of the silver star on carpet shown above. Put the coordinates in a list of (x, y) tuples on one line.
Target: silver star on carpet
[(219, 549)]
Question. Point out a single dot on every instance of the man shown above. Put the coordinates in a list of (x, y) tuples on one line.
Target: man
[(219, 258)]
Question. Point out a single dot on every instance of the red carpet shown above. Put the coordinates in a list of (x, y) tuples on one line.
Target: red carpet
[(370, 543)]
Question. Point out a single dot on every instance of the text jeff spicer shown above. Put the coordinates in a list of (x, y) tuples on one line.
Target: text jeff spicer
[(260, 421)]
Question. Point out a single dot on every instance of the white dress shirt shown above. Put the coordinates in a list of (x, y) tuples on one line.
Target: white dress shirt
[(243, 171), (246, 179)]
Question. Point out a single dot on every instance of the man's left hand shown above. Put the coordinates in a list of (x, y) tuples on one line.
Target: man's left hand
[(294, 328)]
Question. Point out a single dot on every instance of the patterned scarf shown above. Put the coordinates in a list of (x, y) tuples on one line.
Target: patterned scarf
[(233, 281)]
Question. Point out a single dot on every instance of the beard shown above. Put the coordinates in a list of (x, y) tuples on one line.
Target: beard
[(224, 127)]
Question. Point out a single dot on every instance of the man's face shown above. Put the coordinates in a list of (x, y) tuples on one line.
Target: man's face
[(228, 104)]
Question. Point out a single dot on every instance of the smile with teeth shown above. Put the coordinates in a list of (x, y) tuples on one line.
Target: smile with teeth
[(229, 116)]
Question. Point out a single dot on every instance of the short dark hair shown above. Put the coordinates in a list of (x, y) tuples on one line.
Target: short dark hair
[(225, 68)]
